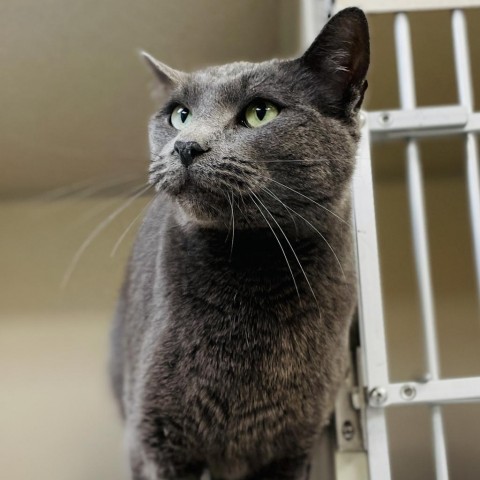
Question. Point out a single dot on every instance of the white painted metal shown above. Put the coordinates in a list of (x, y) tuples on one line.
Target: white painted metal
[(350, 466), (377, 445), (384, 6), (445, 391), (314, 14), (419, 118), (465, 95), (372, 329), (406, 82), (348, 429), (423, 122), (370, 299)]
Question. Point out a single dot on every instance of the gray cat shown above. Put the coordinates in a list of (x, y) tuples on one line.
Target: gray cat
[(231, 333)]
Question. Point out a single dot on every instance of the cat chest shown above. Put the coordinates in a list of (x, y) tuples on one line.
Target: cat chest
[(241, 376)]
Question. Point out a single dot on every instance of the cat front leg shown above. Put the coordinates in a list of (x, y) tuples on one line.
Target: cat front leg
[(162, 459), (149, 470)]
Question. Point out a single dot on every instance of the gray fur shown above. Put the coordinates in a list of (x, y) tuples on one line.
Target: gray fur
[(218, 363)]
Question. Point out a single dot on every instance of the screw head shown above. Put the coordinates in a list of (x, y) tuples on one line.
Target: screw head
[(377, 396), (385, 118), (348, 430), (408, 392)]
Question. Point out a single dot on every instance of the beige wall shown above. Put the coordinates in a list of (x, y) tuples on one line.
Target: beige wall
[(73, 89), (74, 103)]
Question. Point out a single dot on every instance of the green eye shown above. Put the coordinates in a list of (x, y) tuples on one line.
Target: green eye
[(259, 113), (180, 117)]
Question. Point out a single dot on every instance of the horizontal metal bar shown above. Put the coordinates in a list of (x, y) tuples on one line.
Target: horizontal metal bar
[(385, 6), (422, 122), (437, 392), (430, 117)]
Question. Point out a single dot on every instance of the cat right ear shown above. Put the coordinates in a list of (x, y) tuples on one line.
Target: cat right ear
[(339, 57), (168, 77)]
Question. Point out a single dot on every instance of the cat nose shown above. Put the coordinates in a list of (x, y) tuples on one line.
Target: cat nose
[(188, 151)]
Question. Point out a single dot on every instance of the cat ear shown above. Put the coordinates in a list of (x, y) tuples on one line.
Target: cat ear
[(168, 77), (340, 56)]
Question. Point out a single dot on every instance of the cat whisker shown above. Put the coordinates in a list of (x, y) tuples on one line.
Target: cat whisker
[(244, 213), (107, 185), (156, 175), (155, 164), (293, 160), (97, 230), (62, 191), (308, 198), (310, 224), (290, 245), (157, 156), (129, 227), (84, 188), (278, 241), (233, 224), (97, 209)]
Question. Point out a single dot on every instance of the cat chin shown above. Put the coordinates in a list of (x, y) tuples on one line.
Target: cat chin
[(194, 207)]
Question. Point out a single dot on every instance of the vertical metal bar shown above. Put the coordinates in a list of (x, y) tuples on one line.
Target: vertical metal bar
[(314, 15), (370, 294), (372, 328), (465, 96), (420, 238), (309, 25)]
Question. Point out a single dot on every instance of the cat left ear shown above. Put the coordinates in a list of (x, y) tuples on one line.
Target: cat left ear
[(340, 56), (168, 77)]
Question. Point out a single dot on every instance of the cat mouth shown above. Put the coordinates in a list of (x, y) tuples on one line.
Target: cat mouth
[(196, 195), (196, 191), (187, 182)]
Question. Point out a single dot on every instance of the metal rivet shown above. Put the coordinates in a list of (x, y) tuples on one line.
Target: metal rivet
[(408, 392), (385, 118), (377, 396)]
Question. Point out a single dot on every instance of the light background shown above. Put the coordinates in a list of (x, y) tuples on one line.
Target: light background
[(74, 101)]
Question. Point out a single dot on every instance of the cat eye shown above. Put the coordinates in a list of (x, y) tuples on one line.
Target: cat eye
[(259, 113), (180, 117)]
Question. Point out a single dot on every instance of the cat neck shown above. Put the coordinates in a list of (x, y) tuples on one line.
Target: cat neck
[(260, 248)]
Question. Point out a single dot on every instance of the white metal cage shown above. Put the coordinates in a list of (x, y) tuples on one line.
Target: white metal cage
[(372, 392)]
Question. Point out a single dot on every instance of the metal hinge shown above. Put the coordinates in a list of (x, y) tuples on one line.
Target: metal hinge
[(349, 413)]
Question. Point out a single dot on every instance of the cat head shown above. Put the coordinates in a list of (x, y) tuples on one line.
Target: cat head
[(261, 141)]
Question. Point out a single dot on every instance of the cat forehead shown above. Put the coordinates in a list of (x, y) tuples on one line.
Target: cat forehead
[(229, 83), (236, 72)]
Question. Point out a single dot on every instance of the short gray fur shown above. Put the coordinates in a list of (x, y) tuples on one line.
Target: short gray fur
[(218, 363)]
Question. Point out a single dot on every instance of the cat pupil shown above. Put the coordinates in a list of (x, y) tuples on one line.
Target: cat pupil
[(183, 114), (261, 111)]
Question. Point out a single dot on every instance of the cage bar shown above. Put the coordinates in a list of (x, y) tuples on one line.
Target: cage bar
[(423, 122), (445, 391), (406, 82), (387, 6), (465, 96), (372, 329), (314, 14)]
